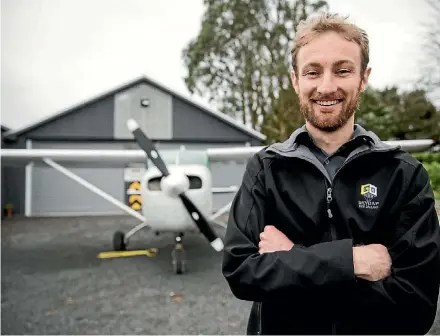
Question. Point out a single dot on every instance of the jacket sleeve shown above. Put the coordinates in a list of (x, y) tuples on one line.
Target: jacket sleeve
[(256, 277), (406, 301)]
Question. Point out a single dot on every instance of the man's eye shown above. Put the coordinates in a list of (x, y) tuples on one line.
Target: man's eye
[(311, 73), (343, 71)]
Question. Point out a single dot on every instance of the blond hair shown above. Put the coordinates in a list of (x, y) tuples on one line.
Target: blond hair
[(313, 26)]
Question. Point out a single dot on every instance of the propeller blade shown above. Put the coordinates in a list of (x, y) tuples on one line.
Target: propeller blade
[(147, 145), (202, 223)]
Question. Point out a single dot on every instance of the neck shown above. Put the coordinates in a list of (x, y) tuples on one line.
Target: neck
[(330, 142)]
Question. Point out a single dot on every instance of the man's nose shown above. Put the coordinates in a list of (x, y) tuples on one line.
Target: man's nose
[(327, 84)]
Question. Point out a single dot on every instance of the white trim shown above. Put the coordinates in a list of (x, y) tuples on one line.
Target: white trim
[(224, 190), (221, 211), (28, 184), (79, 214)]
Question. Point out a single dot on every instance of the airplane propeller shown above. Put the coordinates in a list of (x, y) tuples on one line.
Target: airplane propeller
[(179, 186)]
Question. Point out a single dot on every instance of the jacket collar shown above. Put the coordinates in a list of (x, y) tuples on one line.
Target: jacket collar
[(292, 143)]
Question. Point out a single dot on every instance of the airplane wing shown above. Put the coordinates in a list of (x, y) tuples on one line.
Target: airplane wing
[(243, 153), (99, 157), (102, 156), (124, 157)]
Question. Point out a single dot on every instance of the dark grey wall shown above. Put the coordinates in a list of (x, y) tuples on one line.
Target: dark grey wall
[(13, 181), (94, 121), (190, 122)]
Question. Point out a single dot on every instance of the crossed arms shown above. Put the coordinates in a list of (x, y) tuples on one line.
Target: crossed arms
[(370, 262), (402, 280)]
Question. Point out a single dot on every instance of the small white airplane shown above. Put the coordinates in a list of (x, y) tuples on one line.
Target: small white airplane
[(175, 197)]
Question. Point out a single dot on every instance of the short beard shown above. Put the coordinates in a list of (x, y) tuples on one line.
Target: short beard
[(329, 126)]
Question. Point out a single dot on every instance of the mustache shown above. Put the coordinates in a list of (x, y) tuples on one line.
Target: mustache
[(339, 94), (327, 97)]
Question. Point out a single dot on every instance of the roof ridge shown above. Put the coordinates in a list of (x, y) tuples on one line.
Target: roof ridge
[(143, 78)]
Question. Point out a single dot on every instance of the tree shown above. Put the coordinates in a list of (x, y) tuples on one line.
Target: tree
[(240, 59), (399, 115), (376, 111), (431, 67), (418, 118), (284, 118)]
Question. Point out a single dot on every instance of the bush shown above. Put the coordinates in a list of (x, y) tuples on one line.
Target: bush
[(427, 157), (434, 173), (431, 162)]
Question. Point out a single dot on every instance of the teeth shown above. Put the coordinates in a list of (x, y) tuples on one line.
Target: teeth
[(326, 102)]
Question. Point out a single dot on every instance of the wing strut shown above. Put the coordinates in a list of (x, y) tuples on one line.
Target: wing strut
[(93, 189)]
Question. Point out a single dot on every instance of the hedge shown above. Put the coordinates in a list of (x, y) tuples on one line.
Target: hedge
[(431, 161)]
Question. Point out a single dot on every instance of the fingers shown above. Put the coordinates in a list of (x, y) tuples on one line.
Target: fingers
[(264, 247), (266, 236), (263, 242), (268, 231), (270, 228), (261, 246), (271, 239)]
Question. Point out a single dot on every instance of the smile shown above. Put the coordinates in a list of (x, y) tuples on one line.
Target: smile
[(327, 102)]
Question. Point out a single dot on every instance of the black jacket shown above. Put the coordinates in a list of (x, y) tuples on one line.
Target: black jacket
[(380, 195)]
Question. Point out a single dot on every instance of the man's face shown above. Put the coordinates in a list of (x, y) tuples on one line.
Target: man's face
[(329, 80)]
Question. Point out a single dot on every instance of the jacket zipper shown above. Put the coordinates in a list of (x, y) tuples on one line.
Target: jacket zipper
[(332, 232), (329, 200), (329, 211), (330, 186), (259, 332)]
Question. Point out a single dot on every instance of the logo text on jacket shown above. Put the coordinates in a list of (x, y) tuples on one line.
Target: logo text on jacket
[(369, 192)]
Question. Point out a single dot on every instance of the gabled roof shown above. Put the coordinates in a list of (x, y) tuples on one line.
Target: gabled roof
[(142, 79), (5, 128)]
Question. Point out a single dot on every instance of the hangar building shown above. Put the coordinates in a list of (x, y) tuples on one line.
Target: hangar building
[(169, 119)]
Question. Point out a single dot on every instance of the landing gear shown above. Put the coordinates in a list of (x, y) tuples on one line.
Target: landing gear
[(178, 256), (119, 241)]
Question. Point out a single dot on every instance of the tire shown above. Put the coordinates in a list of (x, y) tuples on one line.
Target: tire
[(119, 241), (178, 260)]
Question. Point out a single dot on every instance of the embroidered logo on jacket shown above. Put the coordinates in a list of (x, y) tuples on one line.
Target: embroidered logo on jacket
[(369, 192)]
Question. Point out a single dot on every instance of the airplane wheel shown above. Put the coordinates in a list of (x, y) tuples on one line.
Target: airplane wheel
[(179, 263), (119, 241)]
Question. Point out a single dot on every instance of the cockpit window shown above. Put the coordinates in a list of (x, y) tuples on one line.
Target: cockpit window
[(195, 182)]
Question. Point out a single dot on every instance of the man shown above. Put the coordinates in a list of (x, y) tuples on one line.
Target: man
[(333, 231)]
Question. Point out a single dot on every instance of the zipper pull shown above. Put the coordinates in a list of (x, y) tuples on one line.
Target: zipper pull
[(329, 195), (330, 215), (329, 199)]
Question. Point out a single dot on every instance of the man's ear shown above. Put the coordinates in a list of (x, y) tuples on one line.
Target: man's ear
[(365, 78), (294, 80)]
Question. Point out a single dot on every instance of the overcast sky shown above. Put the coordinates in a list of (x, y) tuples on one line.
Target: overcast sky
[(57, 53)]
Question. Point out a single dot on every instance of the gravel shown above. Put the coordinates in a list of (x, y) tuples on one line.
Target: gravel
[(53, 282)]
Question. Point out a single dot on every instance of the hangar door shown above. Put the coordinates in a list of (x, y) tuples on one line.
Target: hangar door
[(54, 194)]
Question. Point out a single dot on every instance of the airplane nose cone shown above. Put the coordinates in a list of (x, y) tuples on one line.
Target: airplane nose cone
[(174, 184)]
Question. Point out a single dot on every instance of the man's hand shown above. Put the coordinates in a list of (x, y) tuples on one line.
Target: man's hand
[(371, 262), (272, 240)]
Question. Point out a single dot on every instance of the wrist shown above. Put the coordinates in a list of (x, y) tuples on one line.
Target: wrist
[(360, 267)]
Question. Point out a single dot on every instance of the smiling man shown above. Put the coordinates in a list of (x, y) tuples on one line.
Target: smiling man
[(333, 231)]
